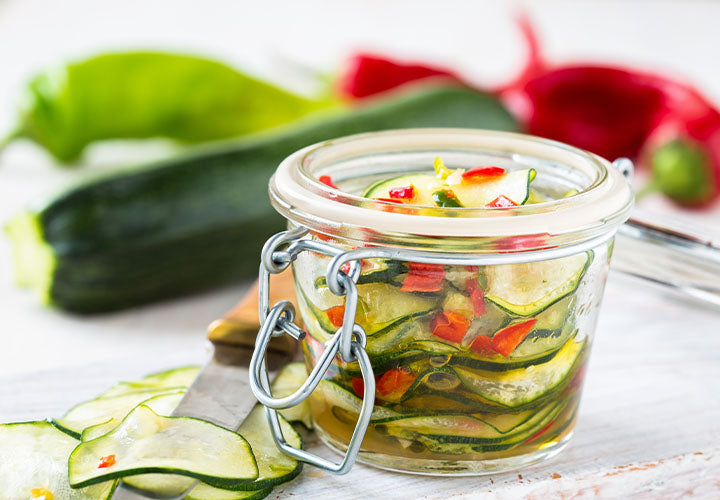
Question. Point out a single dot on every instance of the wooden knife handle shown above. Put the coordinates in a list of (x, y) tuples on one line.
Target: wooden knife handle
[(241, 324)]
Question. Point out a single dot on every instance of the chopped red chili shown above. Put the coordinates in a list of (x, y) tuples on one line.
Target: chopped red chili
[(358, 385), (483, 345), (506, 340), (327, 180), (335, 315), (477, 296), (107, 461), (423, 278), (480, 174), (394, 383), (402, 193), (449, 326), (501, 201), (389, 200)]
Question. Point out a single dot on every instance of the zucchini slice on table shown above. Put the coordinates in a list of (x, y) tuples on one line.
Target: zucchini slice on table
[(529, 288), (33, 462), (168, 379), (516, 388), (274, 467), (163, 404), (100, 410), (147, 443)]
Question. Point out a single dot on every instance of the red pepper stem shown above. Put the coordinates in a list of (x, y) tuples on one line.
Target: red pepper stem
[(14, 134), (650, 188)]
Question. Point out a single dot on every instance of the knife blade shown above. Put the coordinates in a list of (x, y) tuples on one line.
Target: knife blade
[(221, 391)]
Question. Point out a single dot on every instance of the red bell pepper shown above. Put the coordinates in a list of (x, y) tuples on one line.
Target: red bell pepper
[(335, 315), (449, 326), (477, 296), (504, 341), (423, 278), (501, 201), (402, 193), (368, 74), (481, 174), (394, 383)]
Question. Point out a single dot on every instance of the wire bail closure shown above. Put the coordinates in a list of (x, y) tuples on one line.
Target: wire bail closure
[(349, 341)]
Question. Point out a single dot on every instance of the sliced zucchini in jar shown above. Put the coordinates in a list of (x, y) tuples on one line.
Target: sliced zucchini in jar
[(374, 271), (516, 388), (424, 184), (514, 185), (333, 395), (384, 305), (146, 442), (33, 464), (100, 410), (527, 289)]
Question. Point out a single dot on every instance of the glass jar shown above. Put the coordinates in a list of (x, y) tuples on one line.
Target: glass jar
[(478, 323)]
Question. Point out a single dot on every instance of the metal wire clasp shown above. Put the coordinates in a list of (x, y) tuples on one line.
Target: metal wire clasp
[(349, 341)]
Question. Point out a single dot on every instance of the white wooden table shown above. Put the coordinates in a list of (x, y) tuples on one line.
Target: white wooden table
[(649, 424)]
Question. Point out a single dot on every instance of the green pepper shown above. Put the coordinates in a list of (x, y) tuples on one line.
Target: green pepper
[(446, 198), (150, 94)]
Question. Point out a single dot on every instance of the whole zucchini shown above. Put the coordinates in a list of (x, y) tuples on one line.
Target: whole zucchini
[(195, 222)]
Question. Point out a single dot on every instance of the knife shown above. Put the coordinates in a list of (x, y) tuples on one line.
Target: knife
[(221, 391)]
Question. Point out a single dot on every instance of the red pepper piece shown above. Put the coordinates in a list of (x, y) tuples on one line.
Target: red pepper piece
[(368, 74), (540, 432), (480, 174), (483, 345), (335, 315), (506, 340), (107, 461), (449, 326), (358, 385), (501, 201), (423, 278), (394, 383), (402, 193), (477, 296), (389, 200), (327, 180)]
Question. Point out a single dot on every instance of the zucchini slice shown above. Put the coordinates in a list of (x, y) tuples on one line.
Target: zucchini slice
[(205, 492), (169, 379), (162, 405), (100, 410), (289, 380), (34, 456), (147, 443), (514, 185), (425, 185), (529, 288), (274, 467), (516, 388), (335, 396)]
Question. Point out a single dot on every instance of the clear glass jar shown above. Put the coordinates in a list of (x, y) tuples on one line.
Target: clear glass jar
[(524, 283)]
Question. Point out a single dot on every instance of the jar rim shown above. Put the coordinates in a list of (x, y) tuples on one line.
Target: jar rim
[(599, 207)]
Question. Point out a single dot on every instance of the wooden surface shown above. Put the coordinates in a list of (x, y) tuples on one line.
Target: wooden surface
[(649, 423)]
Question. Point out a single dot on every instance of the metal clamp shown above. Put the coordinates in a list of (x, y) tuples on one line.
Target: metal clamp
[(349, 341)]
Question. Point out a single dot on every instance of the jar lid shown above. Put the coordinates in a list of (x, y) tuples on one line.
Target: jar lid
[(603, 200)]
